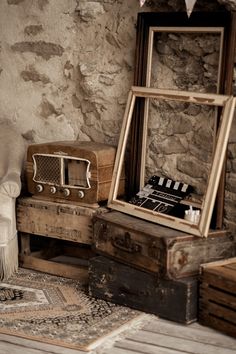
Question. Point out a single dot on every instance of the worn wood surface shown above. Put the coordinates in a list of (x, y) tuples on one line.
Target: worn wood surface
[(100, 156), (152, 336), (154, 248), (171, 299), (217, 301), (59, 220)]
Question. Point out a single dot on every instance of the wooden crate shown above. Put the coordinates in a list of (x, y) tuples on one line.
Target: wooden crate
[(65, 221), (65, 230), (112, 281), (217, 296), (150, 247)]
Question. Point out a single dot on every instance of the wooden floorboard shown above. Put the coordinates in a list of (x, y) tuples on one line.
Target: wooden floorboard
[(181, 344), (13, 344), (199, 334), (152, 336)]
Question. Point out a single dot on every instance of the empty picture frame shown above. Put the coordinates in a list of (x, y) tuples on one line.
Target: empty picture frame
[(201, 228), (148, 22), (177, 47)]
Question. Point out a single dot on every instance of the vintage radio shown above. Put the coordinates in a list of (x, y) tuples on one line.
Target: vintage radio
[(70, 170)]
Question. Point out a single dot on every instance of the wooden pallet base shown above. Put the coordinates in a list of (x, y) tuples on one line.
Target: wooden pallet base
[(58, 257)]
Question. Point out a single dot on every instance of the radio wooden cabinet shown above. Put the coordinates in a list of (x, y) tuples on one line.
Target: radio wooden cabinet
[(71, 171)]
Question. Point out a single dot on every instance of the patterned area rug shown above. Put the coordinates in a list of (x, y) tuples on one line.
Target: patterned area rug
[(58, 311)]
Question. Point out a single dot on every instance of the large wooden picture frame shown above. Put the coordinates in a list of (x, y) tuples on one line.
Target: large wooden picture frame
[(190, 31), (199, 21), (228, 105)]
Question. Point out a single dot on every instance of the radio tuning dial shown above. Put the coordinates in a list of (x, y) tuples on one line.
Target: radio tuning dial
[(80, 194), (39, 188), (53, 190), (66, 192)]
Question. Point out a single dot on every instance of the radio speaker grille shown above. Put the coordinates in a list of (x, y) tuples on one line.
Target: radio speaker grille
[(47, 169)]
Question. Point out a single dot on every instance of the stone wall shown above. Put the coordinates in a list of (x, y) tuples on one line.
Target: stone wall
[(66, 67)]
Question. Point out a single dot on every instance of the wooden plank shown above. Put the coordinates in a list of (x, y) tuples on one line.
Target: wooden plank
[(63, 270), (221, 272), (15, 349), (218, 263), (181, 344), (130, 346), (194, 332), (217, 323), (185, 96), (18, 345), (118, 351), (218, 311), (231, 266), (218, 282), (218, 296)]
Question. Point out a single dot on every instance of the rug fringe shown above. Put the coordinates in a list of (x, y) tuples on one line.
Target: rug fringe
[(9, 258)]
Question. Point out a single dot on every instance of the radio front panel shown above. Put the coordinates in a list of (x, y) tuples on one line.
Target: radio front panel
[(61, 171), (70, 170)]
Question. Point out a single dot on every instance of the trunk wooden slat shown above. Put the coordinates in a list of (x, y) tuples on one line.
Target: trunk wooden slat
[(153, 248), (174, 300), (217, 296)]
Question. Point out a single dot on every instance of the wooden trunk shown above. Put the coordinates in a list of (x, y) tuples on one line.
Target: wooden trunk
[(71, 171), (58, 220), (217, 300), (61, 230), (174, 300), (153, 248)]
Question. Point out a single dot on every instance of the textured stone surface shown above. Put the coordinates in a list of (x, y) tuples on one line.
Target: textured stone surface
[(66, 68)]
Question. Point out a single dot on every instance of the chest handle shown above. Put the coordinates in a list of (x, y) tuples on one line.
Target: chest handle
[(126, 244)]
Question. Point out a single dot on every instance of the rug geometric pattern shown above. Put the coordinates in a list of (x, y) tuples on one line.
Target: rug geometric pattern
[(57, 310)]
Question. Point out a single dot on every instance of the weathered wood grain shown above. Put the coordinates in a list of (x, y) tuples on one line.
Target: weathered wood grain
[(58, 220), (171, 299), (170, 253), (217, 300)]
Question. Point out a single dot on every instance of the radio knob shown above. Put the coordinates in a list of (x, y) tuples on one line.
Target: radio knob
[(39, 188), (80, 194), (53, 190), (66, 192)]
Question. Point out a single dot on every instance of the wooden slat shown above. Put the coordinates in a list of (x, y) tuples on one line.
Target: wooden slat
[(221, 271), (219, 311), (218, 263), (118, 351), (218, 282), (129, 346), (193, 332), (63, 270), (231, 266), (17, 345), (220, 325), (183, 345), (217, 295)]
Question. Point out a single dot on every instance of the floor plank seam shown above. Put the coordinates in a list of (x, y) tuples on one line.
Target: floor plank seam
[(188, 339)]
